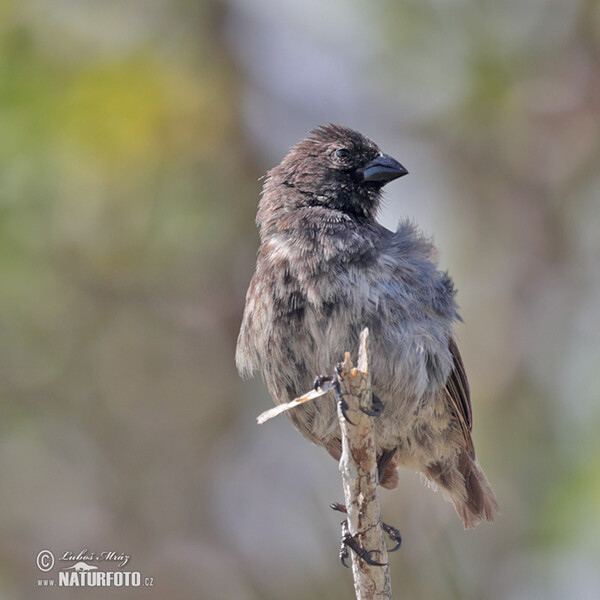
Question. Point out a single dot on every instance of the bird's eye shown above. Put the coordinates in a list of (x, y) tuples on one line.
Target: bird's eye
[(342, 153)]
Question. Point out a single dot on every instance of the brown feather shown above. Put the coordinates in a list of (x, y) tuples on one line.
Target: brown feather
[(459, 396)]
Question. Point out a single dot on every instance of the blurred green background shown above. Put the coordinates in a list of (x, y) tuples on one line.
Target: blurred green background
[(132, 138)]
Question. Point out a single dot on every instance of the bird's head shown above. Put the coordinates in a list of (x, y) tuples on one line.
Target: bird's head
[(335, 167)]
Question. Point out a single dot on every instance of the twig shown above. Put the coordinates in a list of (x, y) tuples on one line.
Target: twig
[(358, 466)]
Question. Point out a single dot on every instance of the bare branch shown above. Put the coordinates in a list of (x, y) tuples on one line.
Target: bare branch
[(281, 408), (358, 466), (363, 530)]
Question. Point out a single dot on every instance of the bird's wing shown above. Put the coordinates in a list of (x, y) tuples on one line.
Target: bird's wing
[(459, 395)]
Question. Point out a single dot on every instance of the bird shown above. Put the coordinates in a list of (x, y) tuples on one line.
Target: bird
[(325, 269)]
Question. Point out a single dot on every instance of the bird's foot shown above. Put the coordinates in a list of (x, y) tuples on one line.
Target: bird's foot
[(394, 535), (376, 407), (321, 380), (392, 532), (351, 541), (338, 393)]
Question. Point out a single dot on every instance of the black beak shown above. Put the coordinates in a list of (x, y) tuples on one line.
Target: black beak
[(383, 169)]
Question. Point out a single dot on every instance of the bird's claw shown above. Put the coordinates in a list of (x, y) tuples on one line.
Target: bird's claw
[(344, 554), (376, 407), (321, 380), (392, 532), (339, 507), (350, 541), (344, 407), (394, 535), (341, 401)]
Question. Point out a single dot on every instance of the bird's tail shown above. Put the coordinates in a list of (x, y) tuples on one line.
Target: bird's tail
[(467, 487)]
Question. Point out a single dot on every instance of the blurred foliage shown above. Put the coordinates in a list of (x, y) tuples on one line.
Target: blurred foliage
[(132, 137)]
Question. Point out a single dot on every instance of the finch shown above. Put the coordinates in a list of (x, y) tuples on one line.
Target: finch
[(325, 270)]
